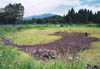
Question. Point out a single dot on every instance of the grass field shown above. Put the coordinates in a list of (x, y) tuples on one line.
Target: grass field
[(33, 36), (11, 58)]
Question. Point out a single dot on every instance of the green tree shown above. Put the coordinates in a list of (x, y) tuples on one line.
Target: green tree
[(85, 15), (90, 16), (98, 17), (70, 18), (13, 12)]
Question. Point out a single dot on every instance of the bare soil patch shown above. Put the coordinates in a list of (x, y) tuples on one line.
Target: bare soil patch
[(69, 43)]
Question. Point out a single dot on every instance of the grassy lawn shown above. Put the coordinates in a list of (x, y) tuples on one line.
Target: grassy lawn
[(11, 58), (33, 36)]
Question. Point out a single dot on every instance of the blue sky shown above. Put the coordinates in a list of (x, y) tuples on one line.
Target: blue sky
[(60, 7), (90, 2)]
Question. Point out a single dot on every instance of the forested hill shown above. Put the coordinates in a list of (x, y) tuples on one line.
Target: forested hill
[(13, 14), (38, 16)]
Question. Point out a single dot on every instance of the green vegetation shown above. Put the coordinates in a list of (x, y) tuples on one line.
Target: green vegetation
[(33, 36), (40, 34), (92, 55), (11, 58), (5, 30)]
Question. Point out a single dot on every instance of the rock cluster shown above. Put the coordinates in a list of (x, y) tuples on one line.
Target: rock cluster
[(88, 66), (44, 54)]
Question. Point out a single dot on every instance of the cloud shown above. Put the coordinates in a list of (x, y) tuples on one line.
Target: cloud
[(93, 8), (35, 7), (63, 9), (44, 6), (3, 3)]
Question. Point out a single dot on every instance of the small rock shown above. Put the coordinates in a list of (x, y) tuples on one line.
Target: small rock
[(96, 67), (88, 66)]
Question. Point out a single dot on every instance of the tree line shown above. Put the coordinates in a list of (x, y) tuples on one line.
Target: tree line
[(13, 14), (83, 16)]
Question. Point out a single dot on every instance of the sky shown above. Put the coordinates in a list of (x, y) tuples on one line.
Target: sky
[(60, 7)]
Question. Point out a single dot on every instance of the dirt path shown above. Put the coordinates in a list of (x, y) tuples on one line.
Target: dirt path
[(69, 43)]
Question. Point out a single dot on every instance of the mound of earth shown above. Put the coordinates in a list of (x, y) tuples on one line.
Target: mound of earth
[(69, 43)]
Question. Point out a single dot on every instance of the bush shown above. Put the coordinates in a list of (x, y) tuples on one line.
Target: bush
[(61, 25), (98, 25)]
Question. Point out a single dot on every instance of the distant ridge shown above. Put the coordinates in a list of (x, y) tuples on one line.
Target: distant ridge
[(38, 16)]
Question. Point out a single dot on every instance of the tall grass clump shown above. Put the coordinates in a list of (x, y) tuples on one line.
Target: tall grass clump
[(6, 29), (11, 58)]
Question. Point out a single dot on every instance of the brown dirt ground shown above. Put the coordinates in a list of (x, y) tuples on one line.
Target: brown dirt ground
[(69, 43)]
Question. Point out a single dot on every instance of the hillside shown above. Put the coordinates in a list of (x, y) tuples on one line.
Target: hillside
[(39, 16)]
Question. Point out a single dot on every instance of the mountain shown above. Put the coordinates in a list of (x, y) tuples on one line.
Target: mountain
[(38, 16)]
